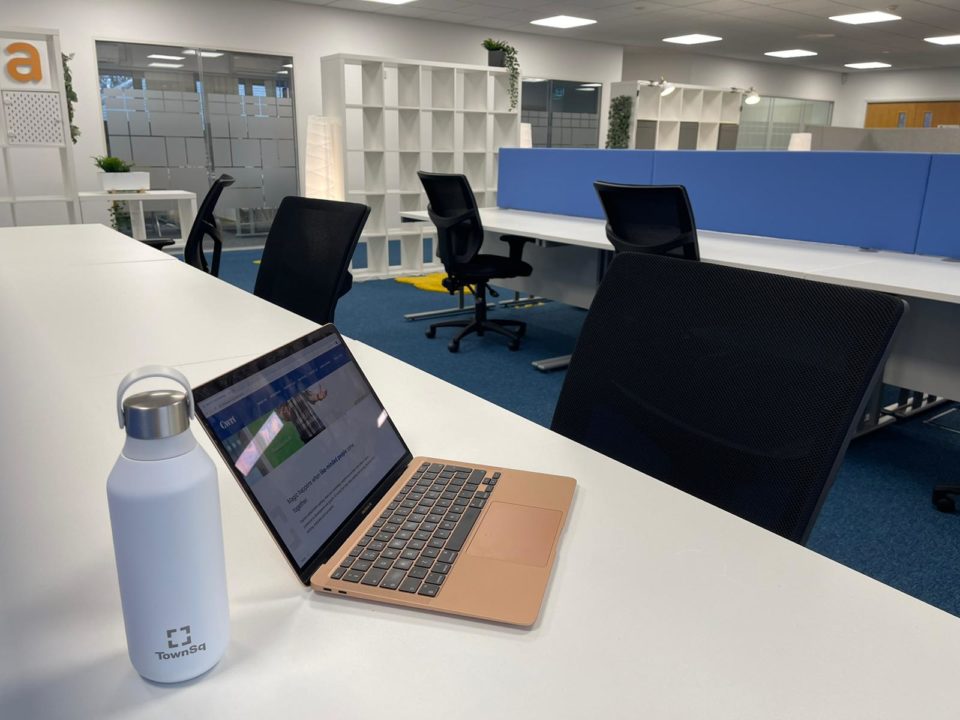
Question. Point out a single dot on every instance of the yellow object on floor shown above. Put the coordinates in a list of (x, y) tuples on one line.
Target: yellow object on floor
[(430, 283)]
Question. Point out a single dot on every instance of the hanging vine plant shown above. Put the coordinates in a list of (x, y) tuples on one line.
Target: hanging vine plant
[(618, 130), (71, 95), (502, 54)]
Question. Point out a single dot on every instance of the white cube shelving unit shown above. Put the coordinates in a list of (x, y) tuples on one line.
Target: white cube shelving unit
[(401, 116), (692, 117)]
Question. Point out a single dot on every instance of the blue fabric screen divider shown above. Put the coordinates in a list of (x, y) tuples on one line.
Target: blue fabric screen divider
[(864, 199), (940, 223), (560, 181)]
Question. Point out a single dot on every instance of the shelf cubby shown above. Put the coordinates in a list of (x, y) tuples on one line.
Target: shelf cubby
[(442, 130), (371, 78), (691, 104), (408, 86), (474, 132), (373, 128), (501, 92), (443, 162), (506, 130), (475, 168), (442, 88), (473, 90), (408, 130), (409, 163)]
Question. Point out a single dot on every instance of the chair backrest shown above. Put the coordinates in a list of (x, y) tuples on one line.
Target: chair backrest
[(649, 218), (739, 387), (206, 224), (453, 209), (306, 257)]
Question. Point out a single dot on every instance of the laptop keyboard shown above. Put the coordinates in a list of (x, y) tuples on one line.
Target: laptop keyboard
[(414, 543)]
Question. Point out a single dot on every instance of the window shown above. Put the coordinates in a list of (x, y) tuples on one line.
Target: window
[(186, 115), (769, 124), (562, 113)]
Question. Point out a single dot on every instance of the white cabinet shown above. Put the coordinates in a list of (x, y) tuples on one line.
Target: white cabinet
[(689, 118), (401, 116)]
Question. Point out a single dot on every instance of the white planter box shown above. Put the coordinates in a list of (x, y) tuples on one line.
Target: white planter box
[(125, 181)]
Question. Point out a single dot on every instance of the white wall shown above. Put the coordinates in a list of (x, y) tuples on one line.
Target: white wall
[(859, 88), (305, 32), (767, 78)]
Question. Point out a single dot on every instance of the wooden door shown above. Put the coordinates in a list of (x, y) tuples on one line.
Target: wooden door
[(912, 114)]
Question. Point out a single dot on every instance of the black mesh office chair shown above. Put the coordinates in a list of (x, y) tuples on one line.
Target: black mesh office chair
[(649, 218), (206, 224), (739, 387), (453, 209), (306, 258)]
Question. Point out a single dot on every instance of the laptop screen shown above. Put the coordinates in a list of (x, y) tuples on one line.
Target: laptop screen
[(306, 436)]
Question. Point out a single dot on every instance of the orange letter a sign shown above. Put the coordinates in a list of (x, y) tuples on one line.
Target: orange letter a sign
[(24, 69)]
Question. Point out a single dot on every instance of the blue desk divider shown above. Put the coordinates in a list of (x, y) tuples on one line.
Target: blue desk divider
[(940, 223), (560, 181), (866, 199)]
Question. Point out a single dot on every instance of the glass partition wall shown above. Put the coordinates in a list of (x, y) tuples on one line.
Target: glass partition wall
[(562, 113), (768, 124), (186, 115)]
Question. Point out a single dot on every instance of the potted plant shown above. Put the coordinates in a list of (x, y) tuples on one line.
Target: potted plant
[(116, 175), (618, 129), (502, 54)]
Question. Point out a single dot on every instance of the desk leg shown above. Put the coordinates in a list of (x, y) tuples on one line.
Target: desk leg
[(187, 212), (137, 224)]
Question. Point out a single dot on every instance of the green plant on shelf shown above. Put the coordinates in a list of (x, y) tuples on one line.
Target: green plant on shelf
[(111, 164), (120, 218), (510, 62), (71, 95), (618, 130)]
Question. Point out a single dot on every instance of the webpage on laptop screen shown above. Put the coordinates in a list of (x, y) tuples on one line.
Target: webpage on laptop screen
[(309, 439)]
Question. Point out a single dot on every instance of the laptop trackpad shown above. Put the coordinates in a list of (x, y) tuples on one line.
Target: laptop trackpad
[(516, 533)]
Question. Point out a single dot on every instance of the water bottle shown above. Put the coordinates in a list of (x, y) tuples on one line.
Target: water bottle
[(167, 537)]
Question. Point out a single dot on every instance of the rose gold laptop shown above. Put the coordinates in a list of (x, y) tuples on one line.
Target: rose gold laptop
[(356, 514)]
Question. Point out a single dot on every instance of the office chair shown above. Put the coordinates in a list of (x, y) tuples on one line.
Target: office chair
[(653, 219), (649, 218), (306, 258), (453, 209), (739, 387), (206, 224)]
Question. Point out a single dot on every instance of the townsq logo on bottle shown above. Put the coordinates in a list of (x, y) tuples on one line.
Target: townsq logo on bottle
[(186, 644)]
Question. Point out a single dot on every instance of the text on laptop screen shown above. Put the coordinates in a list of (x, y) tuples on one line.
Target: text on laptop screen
[(309, 439)]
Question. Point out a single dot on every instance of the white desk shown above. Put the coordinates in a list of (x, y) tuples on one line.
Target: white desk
[(570, 257), (660, 606), (186, 206)]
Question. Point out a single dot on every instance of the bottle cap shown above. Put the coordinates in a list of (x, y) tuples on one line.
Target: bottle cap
[(156, 414)]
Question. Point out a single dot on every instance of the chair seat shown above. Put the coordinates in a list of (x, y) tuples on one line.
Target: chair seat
[(482, 267)]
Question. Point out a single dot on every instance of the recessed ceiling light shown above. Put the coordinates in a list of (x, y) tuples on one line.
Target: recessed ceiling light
[(591, 85), (283, 72), (790, 53), (204, 53), (165, 57), (166, 65), (944, 40), (863, 18), (694, 39), (288, 65), (534, 79), (391, 2), (563, 22), (587, 89), (868, 65)]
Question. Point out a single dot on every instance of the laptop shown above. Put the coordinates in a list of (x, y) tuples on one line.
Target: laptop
[(356, 514)]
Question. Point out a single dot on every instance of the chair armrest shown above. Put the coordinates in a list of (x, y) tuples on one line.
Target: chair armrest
[(446, 221), (516, 243)]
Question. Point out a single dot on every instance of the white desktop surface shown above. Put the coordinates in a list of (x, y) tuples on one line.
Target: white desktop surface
[(71, 245), (660, 606), (139, 195), (902, 273)]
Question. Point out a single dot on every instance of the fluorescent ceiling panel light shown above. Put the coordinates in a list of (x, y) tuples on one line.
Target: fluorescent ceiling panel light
[(944, 40), (790, 53), (694, 39), (863, 18), (288, 65), (283, 72), (591, 85), (166, 65), (534, 79), (204, 53), (165, 57), (391, 2), (564, 22), (868, 65), (586, 89)]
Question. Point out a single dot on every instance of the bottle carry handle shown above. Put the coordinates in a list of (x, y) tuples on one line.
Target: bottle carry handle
[(153, 371)]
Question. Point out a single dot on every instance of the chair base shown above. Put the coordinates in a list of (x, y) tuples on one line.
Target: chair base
[(480, 327)]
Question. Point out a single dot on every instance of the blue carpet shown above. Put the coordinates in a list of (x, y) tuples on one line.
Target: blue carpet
[(877, 519)]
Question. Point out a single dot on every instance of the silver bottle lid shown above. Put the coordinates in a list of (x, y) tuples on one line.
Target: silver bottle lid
[(156, 414)]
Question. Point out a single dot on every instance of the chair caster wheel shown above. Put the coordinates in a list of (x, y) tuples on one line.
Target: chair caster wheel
[(454, 346), (431, 333), (514, 345), (944, 503)]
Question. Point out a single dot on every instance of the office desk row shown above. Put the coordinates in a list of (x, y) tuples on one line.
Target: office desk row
[(571, 252), (660, 605)]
